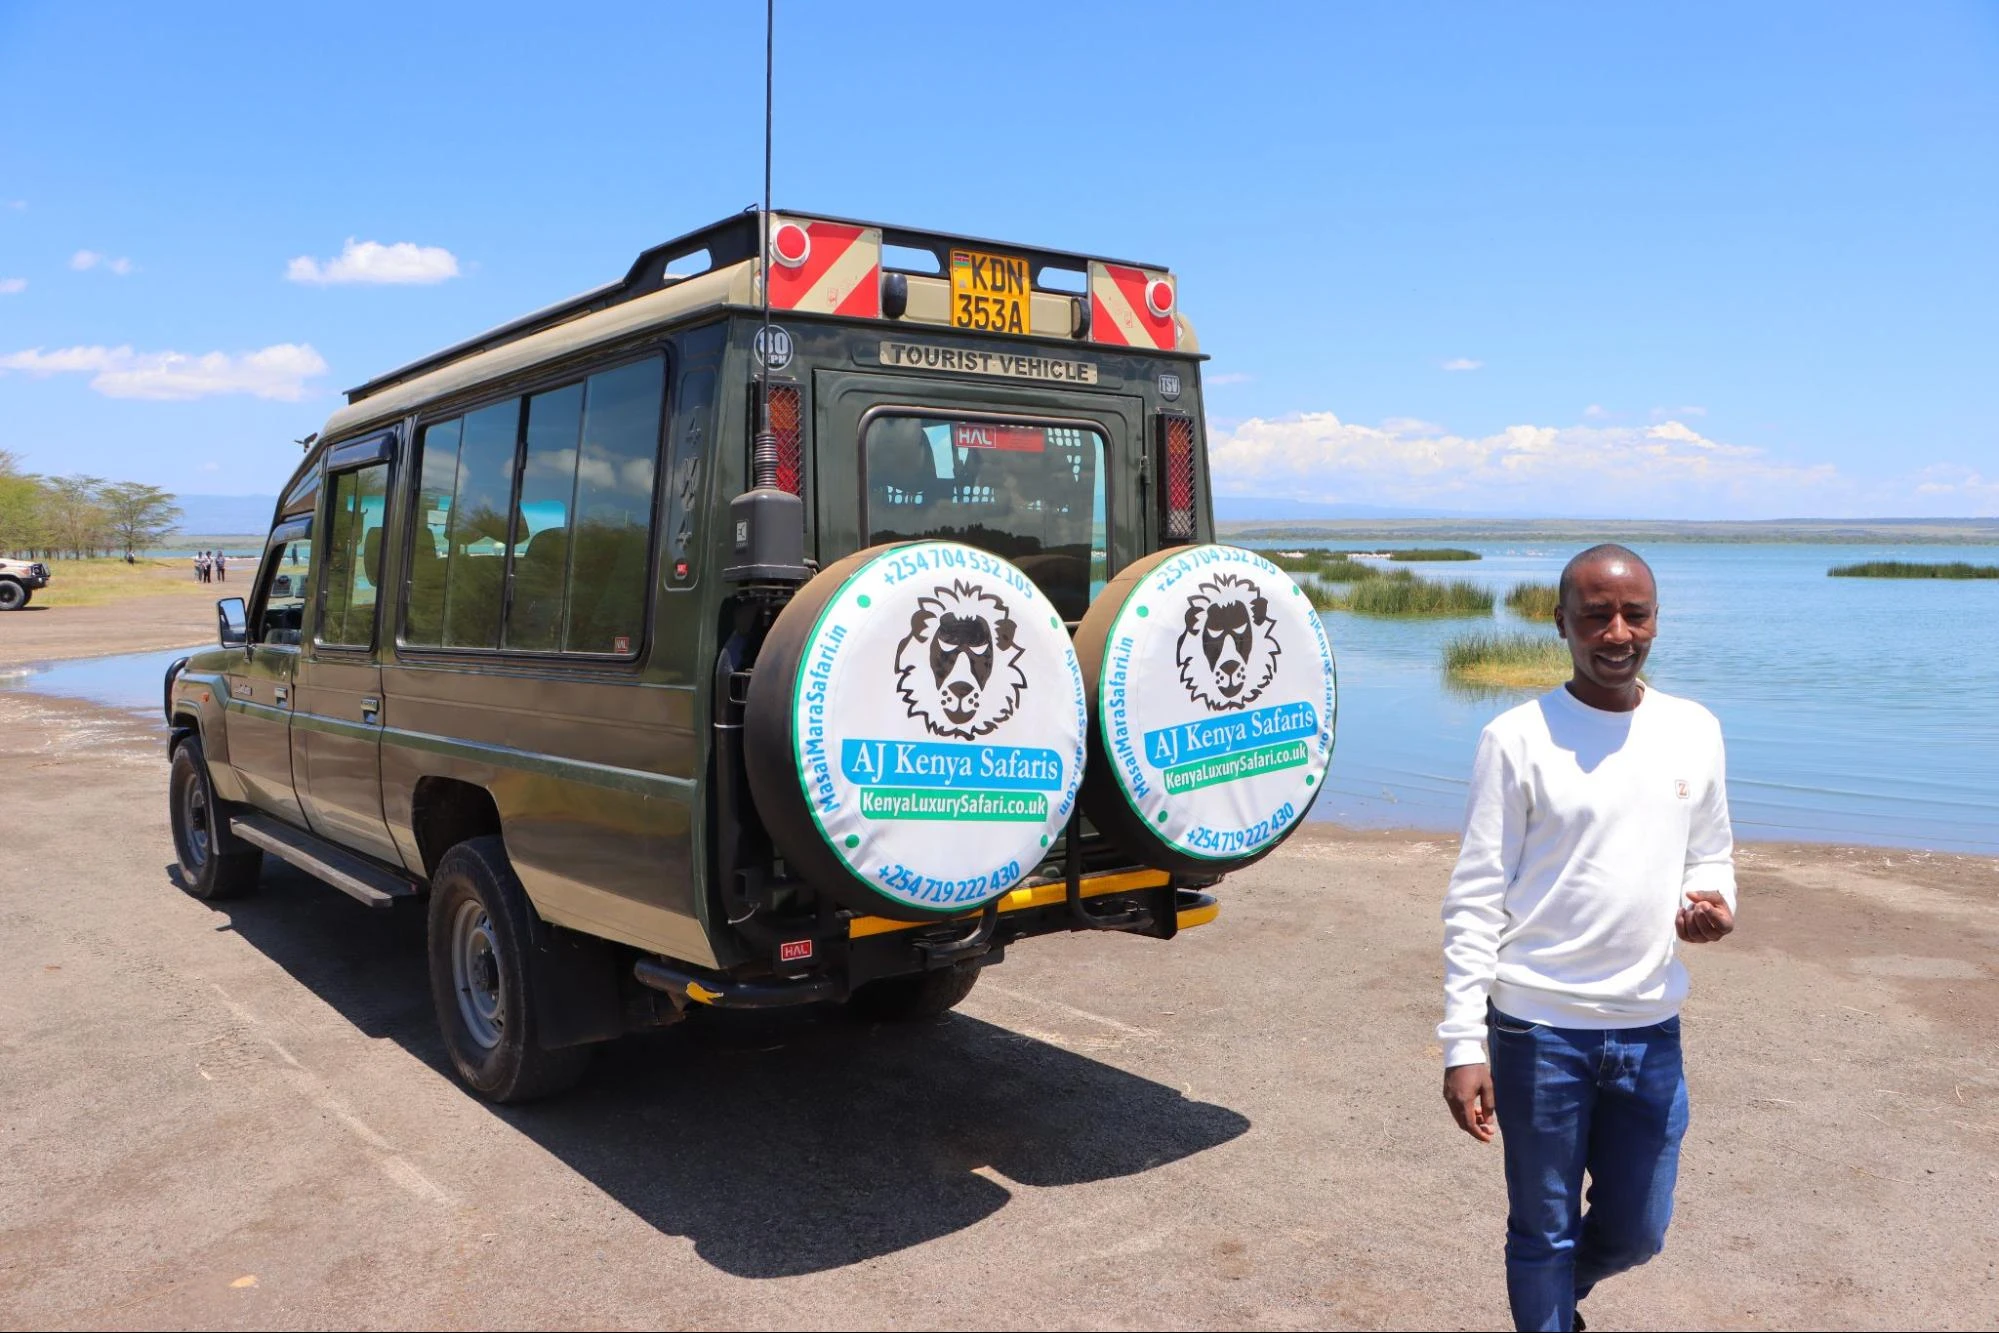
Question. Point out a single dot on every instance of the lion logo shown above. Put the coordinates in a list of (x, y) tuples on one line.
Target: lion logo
[(958, 669), (1228, 651)]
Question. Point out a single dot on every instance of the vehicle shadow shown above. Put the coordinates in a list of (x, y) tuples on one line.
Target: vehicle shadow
[(780, 1144)]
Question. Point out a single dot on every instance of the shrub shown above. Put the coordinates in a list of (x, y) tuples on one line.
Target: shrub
[(1905, 569), (1333, 566), (1535, 601)]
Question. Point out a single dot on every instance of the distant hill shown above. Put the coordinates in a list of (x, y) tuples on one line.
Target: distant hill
[(212, 515), (1249, 508)]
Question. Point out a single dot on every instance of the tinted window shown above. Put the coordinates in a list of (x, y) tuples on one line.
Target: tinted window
[(548, 497), (613, 512), (1031, 493), (353, 555), (430, 545), (475, 577), (572, 526)]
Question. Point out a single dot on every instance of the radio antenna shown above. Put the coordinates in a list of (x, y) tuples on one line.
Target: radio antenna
[(763, 456)]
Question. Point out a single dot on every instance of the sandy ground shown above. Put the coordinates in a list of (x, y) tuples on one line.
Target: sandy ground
[(238, 1115), (170, 617)]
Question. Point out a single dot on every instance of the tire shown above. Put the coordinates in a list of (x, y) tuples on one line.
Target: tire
[(214, 863), (13, 596), (482, 979), (913, 998)]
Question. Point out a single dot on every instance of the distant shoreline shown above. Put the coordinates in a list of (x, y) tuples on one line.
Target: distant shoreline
[(1828, 532)]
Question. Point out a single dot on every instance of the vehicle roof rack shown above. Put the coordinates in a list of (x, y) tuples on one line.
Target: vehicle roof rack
[(727, 242)]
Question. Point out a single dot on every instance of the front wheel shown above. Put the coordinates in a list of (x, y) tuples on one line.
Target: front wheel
[(482, 979), (909, 999), (214, 863), (13, 595)]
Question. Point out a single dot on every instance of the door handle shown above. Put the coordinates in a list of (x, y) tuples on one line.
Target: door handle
[(371, 709), (282, 694)]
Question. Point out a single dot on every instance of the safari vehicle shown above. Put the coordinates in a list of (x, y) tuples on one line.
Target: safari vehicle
[(20, 580), (713, 641)]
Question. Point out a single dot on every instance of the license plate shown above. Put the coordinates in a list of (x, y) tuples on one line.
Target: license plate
[(988, 292)]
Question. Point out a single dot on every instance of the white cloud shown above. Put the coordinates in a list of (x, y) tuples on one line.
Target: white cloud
[(373, 262), (279, 371), (1594, 412), (1567, 469), (211, 467), (1668, 413), (13, 286), (85, 260), (1952, 481), (1226, 378), (1462, 363)]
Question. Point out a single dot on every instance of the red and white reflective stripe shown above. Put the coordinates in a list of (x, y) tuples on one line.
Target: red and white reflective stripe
[(1132, 307), (825, 268)]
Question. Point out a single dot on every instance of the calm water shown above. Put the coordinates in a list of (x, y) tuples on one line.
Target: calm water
[(1856, 710)]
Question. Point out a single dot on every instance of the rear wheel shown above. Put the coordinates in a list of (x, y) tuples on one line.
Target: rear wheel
[(482, 978), (214, 863), (13, 595), (909, 999)]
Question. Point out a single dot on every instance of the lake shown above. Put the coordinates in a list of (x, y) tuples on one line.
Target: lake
[(1856, 710)]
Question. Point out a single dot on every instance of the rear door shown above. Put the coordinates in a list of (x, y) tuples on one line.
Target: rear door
[(337, 719), (1047, 477)]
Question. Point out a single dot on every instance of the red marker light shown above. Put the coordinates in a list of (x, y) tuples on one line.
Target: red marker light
[(1159, 297), (790, 245)]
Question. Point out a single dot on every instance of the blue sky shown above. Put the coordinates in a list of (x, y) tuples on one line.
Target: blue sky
[(1689, 260)]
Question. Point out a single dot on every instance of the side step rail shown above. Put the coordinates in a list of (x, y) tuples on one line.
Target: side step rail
[(359, 879)]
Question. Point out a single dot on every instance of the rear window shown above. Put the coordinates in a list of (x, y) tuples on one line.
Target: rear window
[(1032, 492)]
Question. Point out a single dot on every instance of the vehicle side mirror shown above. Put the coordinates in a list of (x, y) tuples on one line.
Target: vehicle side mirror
[(232, 622)]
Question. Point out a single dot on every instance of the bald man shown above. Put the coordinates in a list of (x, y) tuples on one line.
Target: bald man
[(1596, 842)]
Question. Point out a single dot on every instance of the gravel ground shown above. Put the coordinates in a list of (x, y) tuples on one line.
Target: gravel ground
[(238, 1116)]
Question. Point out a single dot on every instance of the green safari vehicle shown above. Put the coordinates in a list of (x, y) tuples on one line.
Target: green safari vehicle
[(808, 617)]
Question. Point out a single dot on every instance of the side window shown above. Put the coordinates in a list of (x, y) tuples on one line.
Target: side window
[(571, 525), (613, 518), (430, 544), (282, 597), (353, 556), (548, 497)]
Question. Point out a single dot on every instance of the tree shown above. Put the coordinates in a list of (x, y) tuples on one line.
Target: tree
[(78, 522), (140, 515)]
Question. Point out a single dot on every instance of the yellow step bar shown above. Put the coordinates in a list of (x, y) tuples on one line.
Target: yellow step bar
[(1046, 895)]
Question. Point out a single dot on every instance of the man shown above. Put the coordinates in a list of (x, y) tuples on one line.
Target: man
[(1597, 831)]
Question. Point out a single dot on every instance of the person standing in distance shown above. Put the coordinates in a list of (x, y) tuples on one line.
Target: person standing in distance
[(1596, 839)]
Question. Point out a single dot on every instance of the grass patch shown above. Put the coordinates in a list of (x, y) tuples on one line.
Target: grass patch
[(1908, 569), (1434, 553), (1321, 597), (1417, 597), (1332, 566), (1507, 661), (1535, 601), (94, 582)]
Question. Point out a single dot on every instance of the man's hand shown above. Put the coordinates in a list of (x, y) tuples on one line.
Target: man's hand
[(1468, 1089), (1705, 918)]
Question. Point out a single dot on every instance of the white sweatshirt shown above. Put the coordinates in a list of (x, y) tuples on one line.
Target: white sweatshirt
[(1583, 834)]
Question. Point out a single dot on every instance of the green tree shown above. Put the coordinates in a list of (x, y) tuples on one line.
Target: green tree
[(139, 515), (78, 520), (23, 508)]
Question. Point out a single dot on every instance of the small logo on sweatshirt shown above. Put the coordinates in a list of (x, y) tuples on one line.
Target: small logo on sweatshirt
[(1681, 788)]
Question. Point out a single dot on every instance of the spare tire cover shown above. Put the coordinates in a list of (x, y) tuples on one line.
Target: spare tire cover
[(915, 729), (1213, 704)]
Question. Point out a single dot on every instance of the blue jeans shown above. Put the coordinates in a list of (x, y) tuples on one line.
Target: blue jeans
[(1570, 1100)]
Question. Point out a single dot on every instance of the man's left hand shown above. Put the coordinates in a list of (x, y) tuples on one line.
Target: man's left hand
[(1705, 918)]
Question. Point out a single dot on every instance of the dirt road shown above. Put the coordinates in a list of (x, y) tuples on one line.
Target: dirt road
[(237, 1115), (171, 619)]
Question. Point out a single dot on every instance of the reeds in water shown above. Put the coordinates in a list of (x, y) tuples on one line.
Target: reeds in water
[(1332, 566), (1434, 553), (1907, 569), (1418, 597), (1507, 661), (1535, 601)]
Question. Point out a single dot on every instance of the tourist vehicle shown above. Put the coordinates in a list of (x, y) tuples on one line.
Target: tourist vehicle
[(704, 641), (20, 580)]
